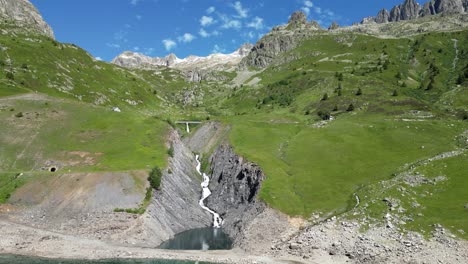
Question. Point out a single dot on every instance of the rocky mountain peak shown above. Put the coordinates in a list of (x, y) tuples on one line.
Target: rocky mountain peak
[(24, 15), (298, 18), (334, 26), (410, 10)]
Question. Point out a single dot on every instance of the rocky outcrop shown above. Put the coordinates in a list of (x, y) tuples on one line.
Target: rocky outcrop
[(435, 7), (280, 39), (235, 184), (334, 26), (410, 10), (383, 16), (297, 19), (25, 15), (407, 11)]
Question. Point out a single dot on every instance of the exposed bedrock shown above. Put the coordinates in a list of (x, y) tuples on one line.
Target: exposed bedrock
[(235, 184), (175, 208)]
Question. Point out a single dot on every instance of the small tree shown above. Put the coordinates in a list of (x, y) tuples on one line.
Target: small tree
[(324, 115), (335, 108), (325, 97), (395, 93), (155, 178), (340, 77), (170, 151), (359, 92), (10, 76), (339, 92), (350, 108), (461, 78)]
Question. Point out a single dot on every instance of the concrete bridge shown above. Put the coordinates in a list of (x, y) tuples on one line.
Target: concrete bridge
[(187, 123)]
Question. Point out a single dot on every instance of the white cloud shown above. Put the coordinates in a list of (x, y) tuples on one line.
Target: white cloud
[(98, 58), (308, 4), (210, 10), (322, 16), (186, 38), (139, 17), (229, 22), (236, 24), (134, 2), (113, 45), (169, 44), (136, 48), (203, 33), (256, 23), (206, 21), (218, 49), (242, 12)]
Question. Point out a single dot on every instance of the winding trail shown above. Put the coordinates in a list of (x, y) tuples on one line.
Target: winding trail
[(217, 220)]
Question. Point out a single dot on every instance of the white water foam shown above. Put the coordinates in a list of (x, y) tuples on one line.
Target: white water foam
[(217, 220)]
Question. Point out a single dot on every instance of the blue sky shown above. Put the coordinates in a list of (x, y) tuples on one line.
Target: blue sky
[(106, 28)]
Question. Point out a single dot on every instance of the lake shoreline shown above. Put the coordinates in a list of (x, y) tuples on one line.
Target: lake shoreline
[(23, 240)]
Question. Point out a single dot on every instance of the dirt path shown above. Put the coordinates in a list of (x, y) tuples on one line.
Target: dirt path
[(23, 240)]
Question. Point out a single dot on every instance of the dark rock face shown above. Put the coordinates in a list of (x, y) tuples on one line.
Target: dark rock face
[(235, 184), (264, 52), (280, 39)]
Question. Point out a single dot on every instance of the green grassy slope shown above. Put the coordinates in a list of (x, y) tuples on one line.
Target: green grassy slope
[(399, 117), (409, 99)]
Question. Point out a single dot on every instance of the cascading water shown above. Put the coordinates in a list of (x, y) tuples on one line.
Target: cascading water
[(217, 220)]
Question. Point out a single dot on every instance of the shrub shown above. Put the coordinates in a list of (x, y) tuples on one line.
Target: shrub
[(170, 151), (335, 108), (350, 108), (155, 178), (324, 115), (395, 93), (325, 97), (24, 66), (19, 115), (10, 76), (359, 92)]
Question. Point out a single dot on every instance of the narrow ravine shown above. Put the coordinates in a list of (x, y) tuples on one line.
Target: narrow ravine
[(217, 220)]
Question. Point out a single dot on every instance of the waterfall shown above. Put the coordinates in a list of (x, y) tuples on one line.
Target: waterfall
[(217, 220)]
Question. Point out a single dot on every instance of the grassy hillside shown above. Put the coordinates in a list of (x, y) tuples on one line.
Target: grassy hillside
[(409, 104), (42, 132), (392, 102)]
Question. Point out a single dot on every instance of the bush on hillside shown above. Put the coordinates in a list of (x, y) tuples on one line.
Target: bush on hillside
[(359, 92), (10, 76), (324, 115), (170, 151), (155, 178), (325, 97), (350, 108)]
